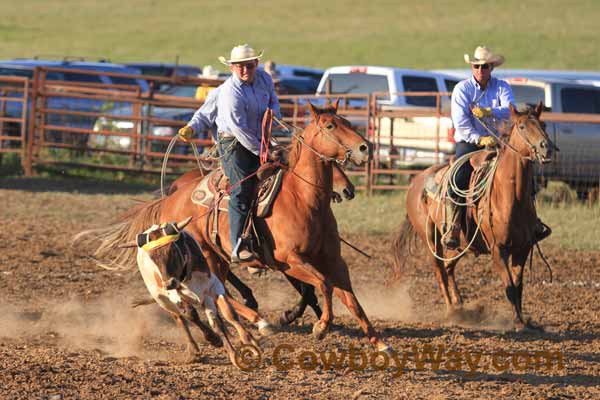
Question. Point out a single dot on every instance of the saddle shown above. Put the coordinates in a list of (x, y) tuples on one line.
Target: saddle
[(213, 193)]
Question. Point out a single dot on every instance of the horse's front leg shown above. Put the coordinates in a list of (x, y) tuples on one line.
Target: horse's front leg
[(343, 290), (519, 259), (300, 268), (511, 277)]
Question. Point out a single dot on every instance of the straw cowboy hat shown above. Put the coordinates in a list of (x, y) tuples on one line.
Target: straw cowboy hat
[(209, 72), (241, 53), (484, 55)]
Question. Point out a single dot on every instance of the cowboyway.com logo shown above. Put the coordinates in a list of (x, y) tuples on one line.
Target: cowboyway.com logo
[(285, 357)]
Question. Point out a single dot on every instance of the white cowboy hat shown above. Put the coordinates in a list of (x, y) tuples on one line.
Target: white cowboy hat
[(241, 53), (209, 72), (484, 55)]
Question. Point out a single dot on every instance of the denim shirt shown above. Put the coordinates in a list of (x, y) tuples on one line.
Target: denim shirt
[(240, 108), (204, 118), (468, 94)]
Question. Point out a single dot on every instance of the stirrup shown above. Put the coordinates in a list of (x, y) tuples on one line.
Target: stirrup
[(543, 232)]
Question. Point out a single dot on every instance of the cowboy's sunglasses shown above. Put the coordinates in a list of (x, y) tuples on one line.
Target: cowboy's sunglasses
[(248, 66), (482, 66)]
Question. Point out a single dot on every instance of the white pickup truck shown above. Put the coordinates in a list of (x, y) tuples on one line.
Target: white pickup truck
[(416, 136)]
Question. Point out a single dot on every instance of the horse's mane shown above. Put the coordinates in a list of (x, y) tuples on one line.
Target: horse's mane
[(294, 150)]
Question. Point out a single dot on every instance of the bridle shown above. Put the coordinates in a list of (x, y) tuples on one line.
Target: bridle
[(326, 134), (533, 150)]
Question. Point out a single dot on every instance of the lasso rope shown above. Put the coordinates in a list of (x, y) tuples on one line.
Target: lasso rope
[(471, 196)]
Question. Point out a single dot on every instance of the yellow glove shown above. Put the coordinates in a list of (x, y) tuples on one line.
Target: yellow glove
[(487, 141), (480, 112), (186, 133)]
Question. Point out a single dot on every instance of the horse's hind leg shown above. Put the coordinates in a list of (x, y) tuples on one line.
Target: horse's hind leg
[(244, 290), (308, 298), (302, 270)]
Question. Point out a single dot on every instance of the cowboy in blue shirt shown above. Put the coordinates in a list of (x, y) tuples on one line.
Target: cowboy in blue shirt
[(481, 97), (241, 103)]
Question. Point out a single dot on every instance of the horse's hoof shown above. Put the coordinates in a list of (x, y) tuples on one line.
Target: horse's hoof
[(527, 327), (195, 358), (285, 319), (318, 331), (265, 329)]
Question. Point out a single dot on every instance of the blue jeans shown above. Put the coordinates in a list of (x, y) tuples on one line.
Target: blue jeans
[(463, 175), (238, 163)]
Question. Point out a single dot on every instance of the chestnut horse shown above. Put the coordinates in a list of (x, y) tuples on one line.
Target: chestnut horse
[(342, 183), (506, 215), (301, 231)]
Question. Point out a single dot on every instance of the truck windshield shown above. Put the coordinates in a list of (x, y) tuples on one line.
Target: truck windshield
[(525, 95), (357, 83)]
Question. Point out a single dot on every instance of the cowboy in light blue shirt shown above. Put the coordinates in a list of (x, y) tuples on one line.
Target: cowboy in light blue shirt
[(204, 118), (479, 97), (241, 103), (468, 94)]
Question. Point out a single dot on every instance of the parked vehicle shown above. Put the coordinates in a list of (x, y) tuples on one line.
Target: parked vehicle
[(25, 68), (411, 141), (578, 161)]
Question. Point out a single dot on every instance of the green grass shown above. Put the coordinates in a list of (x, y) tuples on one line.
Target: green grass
[(575, 226), (424, 34)]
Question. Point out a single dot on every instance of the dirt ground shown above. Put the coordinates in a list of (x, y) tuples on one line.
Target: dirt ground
[(67, 329)]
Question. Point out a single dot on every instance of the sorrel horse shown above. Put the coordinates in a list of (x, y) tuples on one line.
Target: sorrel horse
[(506, 215), (341, 183), (301, 231)]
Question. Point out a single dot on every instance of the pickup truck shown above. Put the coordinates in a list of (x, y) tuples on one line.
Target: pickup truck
[(578, 161), (400, 141)]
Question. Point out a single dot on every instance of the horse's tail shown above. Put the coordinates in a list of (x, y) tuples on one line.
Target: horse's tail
[(106, 242), (401, 247)]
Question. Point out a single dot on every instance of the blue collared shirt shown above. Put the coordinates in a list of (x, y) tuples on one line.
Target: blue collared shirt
[(204, 118), (468, 94), (241, 106)]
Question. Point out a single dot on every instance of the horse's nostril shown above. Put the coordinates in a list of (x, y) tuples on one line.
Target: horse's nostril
[(363, 148)]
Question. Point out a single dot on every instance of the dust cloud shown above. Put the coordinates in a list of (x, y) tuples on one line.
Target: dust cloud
[(110, 326)]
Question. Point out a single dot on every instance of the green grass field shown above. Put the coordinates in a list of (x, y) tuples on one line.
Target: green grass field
[(418, 34)]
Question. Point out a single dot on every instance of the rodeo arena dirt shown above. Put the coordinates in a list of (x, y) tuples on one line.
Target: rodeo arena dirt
[(69, 328)]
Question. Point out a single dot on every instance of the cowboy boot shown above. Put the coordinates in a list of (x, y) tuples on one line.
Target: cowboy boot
[(241, 253), (451, 238)]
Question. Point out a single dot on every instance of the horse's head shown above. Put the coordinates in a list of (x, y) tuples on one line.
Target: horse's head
[(164, 246), (528, 135), (334, 138)]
